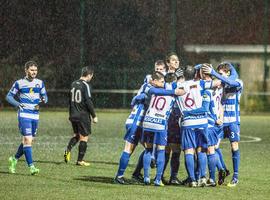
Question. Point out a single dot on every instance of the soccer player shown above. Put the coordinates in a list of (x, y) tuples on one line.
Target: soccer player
[(194, 106), (80, 109), (174, 137), (29, 92), (214, 119), (159, 67), (172, 62), (136, 175), (231, 103), (155, 130), (133, 123)]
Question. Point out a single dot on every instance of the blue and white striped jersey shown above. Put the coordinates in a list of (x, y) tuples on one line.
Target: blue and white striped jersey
[(191, 102), (29, 94), (231, 103), (137, 114), (158, 112)]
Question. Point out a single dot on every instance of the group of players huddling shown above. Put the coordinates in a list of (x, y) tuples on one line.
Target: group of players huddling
[(188, 108)]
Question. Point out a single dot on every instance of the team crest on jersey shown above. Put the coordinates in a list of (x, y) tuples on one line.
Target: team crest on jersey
[(31, 91), (37, 86)]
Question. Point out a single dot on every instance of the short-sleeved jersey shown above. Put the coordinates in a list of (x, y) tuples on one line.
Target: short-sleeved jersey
[(29, 94), (231, 103), (158, 112), (192, 100), (80, 100)]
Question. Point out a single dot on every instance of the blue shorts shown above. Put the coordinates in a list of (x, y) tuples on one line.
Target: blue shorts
[(158, 138), (219, 131), (28, 127), (174, 137), (193, 138), (212, 136), (133, 137), (232, 131)]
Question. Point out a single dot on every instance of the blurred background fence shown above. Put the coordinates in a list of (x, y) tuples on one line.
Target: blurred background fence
[(123, 38)]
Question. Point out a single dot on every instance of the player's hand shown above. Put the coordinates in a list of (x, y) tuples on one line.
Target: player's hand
[(219, 122), (206, 69), (42, 100), (179, 92), (36, 107), (95, 120), (179, 72)]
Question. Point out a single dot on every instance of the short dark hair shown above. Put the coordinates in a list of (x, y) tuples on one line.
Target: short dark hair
[(157, 75), (29, 64), (224, 66), (159, 62), (168, 56), (189, 72), (87, 70), (170, 77)]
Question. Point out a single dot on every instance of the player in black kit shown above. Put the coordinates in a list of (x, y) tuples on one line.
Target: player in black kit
[(80, 109)]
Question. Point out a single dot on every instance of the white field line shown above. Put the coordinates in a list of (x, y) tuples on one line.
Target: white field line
[(251, 139)]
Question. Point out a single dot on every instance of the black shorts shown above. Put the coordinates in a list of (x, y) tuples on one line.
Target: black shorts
[(81, 125)]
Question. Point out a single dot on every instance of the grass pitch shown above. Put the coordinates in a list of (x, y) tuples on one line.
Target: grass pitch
[(58, 180)]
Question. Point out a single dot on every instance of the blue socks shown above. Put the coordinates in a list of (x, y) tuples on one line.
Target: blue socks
[(123, 163), (189, 161), (218, 162), (212, 166), (202, 159), (19, 152), (160, 164), (147, 162), (28, 155), (236, 162)]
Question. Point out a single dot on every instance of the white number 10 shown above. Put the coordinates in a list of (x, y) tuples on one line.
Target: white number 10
[(77, 96)]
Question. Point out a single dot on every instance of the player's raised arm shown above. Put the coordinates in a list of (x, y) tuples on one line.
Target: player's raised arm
[(222, 77)]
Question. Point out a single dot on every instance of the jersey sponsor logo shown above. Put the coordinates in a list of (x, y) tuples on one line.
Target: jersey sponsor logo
[(153, 120)]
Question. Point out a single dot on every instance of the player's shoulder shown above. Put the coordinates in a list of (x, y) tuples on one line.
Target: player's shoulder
[(192, 83), (38, 82), (20, 81), (76, 83)]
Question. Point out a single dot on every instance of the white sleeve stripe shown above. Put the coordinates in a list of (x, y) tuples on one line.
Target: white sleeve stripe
[(88, 89)]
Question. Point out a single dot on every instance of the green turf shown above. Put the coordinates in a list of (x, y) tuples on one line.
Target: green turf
[(58, 180)]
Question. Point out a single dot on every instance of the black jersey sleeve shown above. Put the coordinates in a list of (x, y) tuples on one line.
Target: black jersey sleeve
[(88, 100)]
